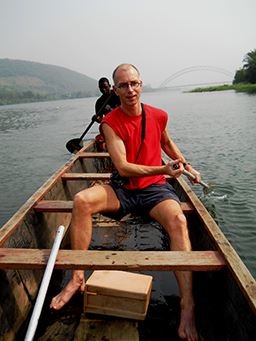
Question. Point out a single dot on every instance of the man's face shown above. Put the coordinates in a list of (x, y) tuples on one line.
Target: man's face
[(128, 86), (104, 88)]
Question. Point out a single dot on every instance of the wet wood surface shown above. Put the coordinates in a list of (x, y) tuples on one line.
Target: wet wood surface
[(113, 260)]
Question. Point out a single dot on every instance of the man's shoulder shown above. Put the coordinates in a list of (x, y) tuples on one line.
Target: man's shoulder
[(113, 114), (155, 110)]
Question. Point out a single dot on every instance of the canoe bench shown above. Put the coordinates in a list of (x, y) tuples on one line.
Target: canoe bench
[(67, 206), (13, 258)]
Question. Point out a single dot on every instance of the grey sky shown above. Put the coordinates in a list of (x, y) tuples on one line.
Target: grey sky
[(160, 37)]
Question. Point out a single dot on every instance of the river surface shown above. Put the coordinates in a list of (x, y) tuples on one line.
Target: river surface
[(215, 131)]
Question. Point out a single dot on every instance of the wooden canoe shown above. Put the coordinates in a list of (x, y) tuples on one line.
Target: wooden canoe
[(224, 289)]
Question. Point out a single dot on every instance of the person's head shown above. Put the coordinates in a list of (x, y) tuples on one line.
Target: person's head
[(127, 83), (104, 85)]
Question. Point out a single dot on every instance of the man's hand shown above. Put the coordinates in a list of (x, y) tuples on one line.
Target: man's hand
[(174, 168), (195, 173), (97, 118)]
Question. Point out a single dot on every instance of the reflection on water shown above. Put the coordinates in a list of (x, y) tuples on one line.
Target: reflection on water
[(214, 130)]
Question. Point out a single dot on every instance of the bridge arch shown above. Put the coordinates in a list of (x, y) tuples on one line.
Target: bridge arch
[(193, 69)]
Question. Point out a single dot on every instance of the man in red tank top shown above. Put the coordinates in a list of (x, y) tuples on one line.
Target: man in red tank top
[(135, 135)]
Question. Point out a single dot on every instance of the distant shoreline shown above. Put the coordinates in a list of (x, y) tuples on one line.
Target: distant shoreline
[(248, 88), (35, 98)]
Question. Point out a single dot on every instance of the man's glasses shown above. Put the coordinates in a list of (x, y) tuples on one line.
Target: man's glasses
[(125, 86)]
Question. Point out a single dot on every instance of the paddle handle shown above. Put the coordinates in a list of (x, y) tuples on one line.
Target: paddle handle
[(44, 285), (98, 113), (192, 176), (86, 130)]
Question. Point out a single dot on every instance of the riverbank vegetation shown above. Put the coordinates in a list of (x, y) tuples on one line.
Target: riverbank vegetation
[(14, 96), (243, 87), (244, 80)]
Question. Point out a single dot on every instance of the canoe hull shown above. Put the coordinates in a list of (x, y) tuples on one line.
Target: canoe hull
[(225, 299)]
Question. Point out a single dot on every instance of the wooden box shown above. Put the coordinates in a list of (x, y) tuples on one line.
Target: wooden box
[(118, 293)]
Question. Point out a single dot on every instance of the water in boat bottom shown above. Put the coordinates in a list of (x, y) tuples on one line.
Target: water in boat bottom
[(163, 313)]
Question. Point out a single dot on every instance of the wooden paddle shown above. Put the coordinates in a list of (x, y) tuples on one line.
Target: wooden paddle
[(74, 145), (206, 188)]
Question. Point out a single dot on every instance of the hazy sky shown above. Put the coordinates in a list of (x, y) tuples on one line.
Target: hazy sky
[(160, 37)]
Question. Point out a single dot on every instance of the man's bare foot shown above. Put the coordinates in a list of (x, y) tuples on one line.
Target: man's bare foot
[(75, 284), (187, 329)]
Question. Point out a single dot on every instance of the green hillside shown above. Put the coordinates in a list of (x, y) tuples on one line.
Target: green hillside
[(24, 81)]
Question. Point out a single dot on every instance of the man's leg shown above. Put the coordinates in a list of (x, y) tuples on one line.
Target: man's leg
[(169, 214), (86, 203)]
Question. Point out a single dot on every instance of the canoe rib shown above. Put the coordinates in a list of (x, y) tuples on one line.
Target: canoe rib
[(67, 206), (113, 260)]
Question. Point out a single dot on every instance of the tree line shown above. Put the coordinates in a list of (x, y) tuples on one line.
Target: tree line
[(247, 74), (12, 96)]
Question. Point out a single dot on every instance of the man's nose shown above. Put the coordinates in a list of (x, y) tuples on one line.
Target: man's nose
[(129, 87)]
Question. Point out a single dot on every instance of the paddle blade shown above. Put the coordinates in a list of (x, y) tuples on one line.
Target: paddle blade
[(74, 145)]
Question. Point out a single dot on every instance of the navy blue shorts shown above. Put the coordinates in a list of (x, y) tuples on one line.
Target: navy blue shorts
[(141, 201)]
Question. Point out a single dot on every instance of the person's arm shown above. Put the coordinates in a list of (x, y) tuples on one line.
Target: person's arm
[(97, 117), (117, 153), (171, 149)]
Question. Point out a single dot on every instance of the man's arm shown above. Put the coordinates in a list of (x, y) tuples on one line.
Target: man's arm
[(171, 149), (117, 153)]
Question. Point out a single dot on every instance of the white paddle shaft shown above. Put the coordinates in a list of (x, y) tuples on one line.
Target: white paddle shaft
[(44, 285)]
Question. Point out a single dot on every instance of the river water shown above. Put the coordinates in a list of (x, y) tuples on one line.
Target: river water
[(215, 131)]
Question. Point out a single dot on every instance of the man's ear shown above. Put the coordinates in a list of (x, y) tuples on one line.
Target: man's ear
[(115, 90)]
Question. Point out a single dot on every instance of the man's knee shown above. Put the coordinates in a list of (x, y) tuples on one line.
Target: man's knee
[(179, 224), (83, 201), (181, 219)]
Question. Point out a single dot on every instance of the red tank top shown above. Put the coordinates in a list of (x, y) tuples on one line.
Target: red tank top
[(128, 128)]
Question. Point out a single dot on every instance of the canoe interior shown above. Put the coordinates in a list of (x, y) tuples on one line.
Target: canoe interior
[(223, 310)]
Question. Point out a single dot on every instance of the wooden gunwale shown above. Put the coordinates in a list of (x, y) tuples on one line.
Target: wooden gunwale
[(234, 263)]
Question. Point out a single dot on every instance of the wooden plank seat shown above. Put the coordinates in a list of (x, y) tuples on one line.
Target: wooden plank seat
[(93, 155), (89, 176), (12, 258), (85, 176), (67, 206)]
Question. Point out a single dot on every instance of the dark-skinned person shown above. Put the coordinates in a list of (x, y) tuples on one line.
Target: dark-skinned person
[(104, 104), (144, 189), (107, 101)]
